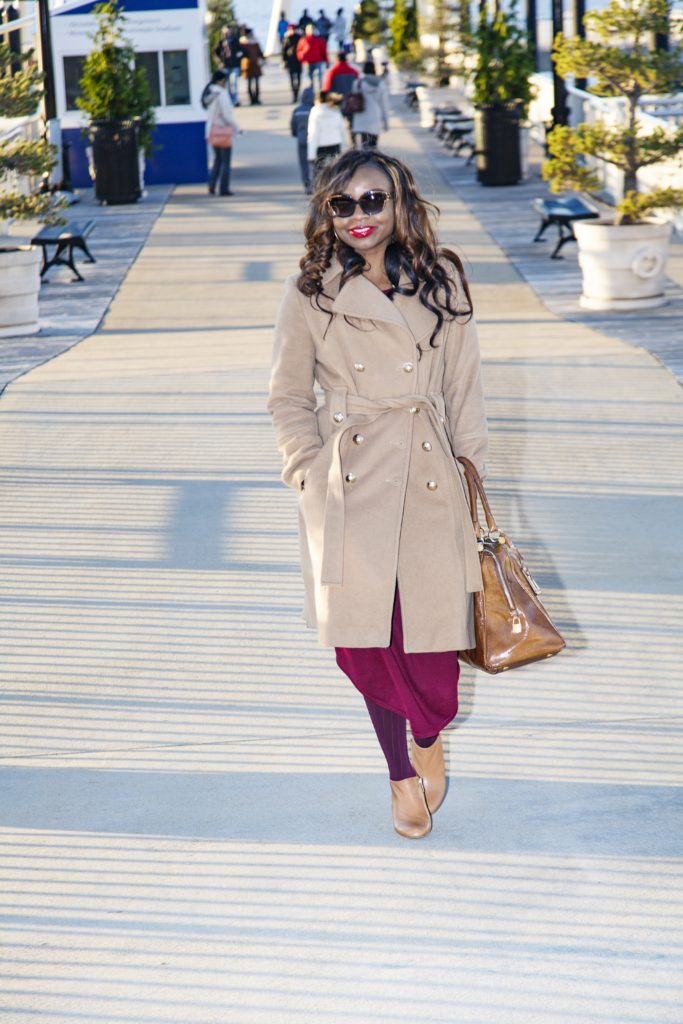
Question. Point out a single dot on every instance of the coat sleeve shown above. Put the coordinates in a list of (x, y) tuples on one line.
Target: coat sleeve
[(292, 399), (463, 394), (226, 111)]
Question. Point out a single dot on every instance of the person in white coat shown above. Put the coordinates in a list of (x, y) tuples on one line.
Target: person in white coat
[(326, 130), (220, 114), (374, 118)]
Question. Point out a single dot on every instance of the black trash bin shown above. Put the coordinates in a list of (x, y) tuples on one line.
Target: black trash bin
[(497, 144), (115, 157)]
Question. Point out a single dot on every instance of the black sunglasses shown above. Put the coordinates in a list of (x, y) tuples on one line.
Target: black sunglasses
[(371, 203)]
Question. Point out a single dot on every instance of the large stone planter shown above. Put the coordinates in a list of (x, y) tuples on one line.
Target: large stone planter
[(623, 266), (19, 287)]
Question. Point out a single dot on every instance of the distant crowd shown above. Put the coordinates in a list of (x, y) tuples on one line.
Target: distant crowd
[(342, 100)]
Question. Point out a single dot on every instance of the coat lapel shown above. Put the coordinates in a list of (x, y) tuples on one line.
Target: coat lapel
[(360, 298)]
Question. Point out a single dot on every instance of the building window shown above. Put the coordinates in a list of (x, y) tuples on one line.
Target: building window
[(149, 62), (176, 78), (73, 72)]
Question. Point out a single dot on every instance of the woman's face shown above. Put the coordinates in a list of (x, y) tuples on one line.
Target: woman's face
[(367, 233)]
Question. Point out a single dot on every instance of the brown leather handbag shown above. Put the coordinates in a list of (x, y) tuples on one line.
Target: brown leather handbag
[(511, 626)]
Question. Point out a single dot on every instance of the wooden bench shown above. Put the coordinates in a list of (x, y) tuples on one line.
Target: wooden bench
[(410, 96), (562, 212), (443, 114), (65, 238)]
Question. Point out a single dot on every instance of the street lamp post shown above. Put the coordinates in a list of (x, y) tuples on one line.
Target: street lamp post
[(531, 30), (60, 174), (46, 59), (579, 28), (560, 111)]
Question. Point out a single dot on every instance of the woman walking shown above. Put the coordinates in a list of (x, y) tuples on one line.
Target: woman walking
[(325, 131), (252, 56), (380, 317), (374, 117), (220, 121)]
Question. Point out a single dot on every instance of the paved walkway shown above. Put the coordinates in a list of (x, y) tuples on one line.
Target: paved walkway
[(194, 820), (70, 310)]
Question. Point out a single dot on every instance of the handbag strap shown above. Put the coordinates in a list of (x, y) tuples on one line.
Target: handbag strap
[(476, 492)]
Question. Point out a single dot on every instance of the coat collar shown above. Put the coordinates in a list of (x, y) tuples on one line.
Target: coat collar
[(360, 298)]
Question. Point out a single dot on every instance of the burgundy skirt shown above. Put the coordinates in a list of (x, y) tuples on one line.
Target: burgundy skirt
[(421, 687)]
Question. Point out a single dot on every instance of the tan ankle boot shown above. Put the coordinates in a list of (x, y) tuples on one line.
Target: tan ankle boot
[(429, 764), (409, 808)]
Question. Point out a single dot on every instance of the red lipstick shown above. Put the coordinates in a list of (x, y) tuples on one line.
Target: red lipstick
[(362, 232)]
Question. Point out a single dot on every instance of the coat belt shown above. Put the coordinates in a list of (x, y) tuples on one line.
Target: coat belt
[(356, 411)]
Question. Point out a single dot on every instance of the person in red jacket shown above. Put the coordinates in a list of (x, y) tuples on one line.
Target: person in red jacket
[(312, 51), (340, 77)]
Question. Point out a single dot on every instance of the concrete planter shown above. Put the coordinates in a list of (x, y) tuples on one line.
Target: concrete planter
[(623, 266), (19, 287)]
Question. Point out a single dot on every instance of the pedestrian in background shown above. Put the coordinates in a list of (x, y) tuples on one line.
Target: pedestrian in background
[(339, 28), (305, 20), (367, 124), (282, 26), (312, 51), (325, 131), (220, 116), (340, 77), (380, 318), (252, 55), (290, 59), (323, 25), (234, 64), (299, 127)]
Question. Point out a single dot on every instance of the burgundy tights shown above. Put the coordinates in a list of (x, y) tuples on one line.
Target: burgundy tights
[(391, 733)]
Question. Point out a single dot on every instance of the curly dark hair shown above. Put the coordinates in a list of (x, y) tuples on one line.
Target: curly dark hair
[(413, 251)]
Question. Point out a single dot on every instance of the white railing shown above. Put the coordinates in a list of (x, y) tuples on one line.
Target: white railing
[(655, 111)]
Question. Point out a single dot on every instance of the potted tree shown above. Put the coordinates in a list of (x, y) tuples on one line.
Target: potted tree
[(623, 259), (404, 48), (502, 91), (20, 94), (115, 95)]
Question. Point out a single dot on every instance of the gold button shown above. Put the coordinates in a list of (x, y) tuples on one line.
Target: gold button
[(408, 367), (358, 438), (427, 446), (359, 367), (350, 478), (414, 409), (432, 485), (338, 417)]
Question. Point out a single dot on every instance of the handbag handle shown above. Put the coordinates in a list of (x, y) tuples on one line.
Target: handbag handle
[(476, 492)]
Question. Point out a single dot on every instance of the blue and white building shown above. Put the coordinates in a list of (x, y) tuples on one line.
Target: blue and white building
[(170, 42)]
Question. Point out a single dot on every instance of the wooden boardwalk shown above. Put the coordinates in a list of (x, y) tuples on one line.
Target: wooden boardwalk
[(71, 310)]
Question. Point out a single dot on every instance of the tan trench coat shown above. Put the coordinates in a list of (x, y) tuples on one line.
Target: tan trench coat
[(381, 497)]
